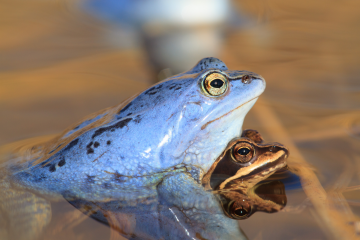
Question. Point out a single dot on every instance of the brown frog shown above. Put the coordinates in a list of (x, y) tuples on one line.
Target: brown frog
[(236, 175)]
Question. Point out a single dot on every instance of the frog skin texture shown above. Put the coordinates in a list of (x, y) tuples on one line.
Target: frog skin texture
[(155, 145)]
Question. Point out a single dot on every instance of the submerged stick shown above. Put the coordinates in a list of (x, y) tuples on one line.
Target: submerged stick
[(336, 222)]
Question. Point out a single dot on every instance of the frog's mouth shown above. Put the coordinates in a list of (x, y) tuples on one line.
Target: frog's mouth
[(251, 102)]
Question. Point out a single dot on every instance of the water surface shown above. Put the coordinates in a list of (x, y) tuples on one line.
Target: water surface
[(56, 67)]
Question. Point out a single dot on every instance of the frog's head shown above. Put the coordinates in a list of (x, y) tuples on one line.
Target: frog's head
[(191, 117), (238, 175), (245, 162), (211, 109)]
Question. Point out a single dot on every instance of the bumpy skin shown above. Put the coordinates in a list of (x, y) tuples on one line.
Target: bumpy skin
[(125, 151)]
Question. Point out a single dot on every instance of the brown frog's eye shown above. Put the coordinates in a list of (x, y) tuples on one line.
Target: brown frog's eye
[(215, 84), (239, 211), (243, 152)]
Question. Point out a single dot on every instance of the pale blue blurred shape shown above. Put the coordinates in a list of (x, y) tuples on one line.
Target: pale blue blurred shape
[(173, 12), (174, 33)]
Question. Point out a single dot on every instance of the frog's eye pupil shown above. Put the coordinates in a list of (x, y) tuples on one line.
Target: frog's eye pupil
[(239, 209), (217, 83), (241, 212), (243, 151)]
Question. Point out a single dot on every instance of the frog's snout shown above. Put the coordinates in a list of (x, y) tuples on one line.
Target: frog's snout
[(279, 147), (258, 78), (262, 82), (256, 84)]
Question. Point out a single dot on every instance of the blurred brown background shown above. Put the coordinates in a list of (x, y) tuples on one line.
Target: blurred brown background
[(56, 67)]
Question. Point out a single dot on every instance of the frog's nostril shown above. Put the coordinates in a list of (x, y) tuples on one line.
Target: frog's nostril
[(259, 78), (273, 149), (246, 79)]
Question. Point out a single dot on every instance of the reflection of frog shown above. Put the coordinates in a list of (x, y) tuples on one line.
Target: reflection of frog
[(197, 214), (157, 144), (265, 197)]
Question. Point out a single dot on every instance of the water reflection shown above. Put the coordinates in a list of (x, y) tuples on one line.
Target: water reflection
[(168, 221), (55, 68), (236, 177), (235, 190), (267, 197)]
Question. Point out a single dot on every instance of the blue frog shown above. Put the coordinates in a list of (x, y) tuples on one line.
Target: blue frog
[(153, 145)]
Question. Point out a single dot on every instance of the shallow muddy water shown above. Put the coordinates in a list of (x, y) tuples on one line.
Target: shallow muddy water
[(56, 67)]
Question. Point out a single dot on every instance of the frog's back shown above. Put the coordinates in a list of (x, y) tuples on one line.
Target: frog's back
[(104, 152)]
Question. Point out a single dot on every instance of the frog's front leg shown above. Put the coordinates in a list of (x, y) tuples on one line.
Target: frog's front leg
[(187, 211)]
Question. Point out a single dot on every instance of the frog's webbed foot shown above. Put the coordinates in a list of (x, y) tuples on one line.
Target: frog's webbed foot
[(23, 215), (187, 211)]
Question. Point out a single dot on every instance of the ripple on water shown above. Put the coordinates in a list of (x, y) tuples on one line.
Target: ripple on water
[(353, 126), (290, 180)]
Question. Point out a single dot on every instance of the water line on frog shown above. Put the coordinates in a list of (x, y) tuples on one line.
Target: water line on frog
[(177, 219), (165, 139)]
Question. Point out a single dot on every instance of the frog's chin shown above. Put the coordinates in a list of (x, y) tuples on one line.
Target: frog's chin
[(204, 148), (227, 127), (239, 112), (245, 108)]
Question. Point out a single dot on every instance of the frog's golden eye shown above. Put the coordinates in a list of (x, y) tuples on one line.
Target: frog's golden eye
[(243, 152), (215, 84)]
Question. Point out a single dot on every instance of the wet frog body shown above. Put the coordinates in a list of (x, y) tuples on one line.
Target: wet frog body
[(180, 125)]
